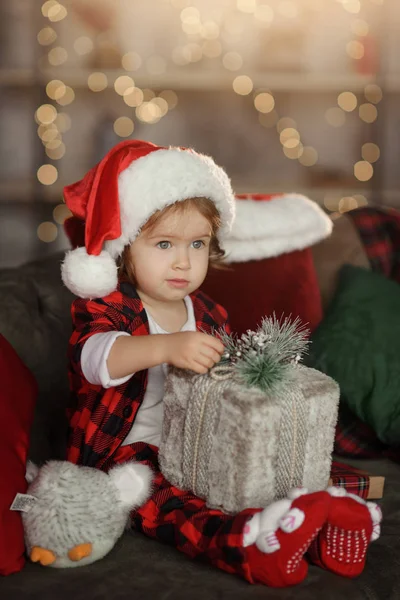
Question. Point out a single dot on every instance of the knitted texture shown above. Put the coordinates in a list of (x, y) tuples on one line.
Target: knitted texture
[(238, 447)]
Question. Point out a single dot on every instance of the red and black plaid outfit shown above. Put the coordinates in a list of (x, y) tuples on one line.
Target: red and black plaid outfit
[(379, 230), (100, 419)]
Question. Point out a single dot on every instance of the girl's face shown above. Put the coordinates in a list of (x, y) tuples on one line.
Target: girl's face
[(170, 260)]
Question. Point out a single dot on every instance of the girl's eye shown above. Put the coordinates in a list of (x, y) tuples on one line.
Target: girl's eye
[(164, 245), (198, 244)]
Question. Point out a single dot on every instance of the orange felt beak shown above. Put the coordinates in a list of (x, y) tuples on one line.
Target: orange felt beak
[(42, 555), (81, 551)]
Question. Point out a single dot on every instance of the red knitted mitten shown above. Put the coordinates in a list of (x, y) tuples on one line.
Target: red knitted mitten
[(341, 545), (277, 538)]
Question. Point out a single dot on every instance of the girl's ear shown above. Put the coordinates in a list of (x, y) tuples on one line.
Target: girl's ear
[(31, 471)]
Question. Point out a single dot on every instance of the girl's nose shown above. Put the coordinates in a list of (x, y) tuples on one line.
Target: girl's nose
[(182, 260)]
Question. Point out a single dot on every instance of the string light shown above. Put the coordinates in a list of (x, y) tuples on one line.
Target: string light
[(242, 85), (355, 49), (131, 61), (212, 48), (368, 113), (335, 116), (67, 98), (57, 56), (347, 101), (45, 114), (56, 153), (46, 36), (170, 97), (309, 156), (148, 112), (285, 122), (264, 102), (97, 82), (232, 61), (47, 174), (295, 152), (47, 232), (363, 170), (123, 126), (57, 12), (331, 201), (133, 97), (162, 105), (370, 152), (210, 30), (289, 137), (204, 41), (347, 203), (360, 27), (55, 89), (83, 45), (63, 122), (373, 93), (123, 84), (60, 213)]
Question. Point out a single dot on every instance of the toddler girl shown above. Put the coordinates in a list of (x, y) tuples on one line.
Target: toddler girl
[(153, 219)]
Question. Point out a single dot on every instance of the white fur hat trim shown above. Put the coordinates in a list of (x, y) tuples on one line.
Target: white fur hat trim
[(266, 228)]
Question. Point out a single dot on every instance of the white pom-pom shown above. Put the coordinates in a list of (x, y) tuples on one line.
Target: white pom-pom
[(87, 275), (133, 482)]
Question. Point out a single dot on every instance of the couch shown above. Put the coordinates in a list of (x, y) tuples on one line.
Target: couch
[(35, 318)]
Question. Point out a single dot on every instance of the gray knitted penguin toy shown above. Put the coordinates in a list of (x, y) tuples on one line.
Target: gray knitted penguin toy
[(76, 513)]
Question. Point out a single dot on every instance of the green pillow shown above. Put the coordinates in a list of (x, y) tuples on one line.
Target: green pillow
[(358, 344)]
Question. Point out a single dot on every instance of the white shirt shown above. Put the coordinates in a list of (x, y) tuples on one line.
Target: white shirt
[(147, 426)]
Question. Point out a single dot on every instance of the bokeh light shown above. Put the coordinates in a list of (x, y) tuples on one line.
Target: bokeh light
[(243, 85), (368, 113), (347, 101), (123, 126), (97, 82), (373, 93), (60, 213), (363, 170), (47, 174), (83, 45), (264, 102), (46, 36), (370, 152), (335, 116), (232, 61), (309, 156), (47, 232)]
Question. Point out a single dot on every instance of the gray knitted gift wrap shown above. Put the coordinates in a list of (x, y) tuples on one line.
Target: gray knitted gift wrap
[(239, 447)]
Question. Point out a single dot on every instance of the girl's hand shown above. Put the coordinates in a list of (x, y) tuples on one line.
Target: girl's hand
[(193, 350)]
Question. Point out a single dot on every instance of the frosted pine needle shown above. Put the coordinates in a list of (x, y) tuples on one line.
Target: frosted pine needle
[(262, 358)]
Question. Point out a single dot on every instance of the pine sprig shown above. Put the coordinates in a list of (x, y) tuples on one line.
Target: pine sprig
[(263, 357)]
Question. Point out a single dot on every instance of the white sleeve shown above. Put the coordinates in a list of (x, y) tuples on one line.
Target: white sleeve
[(94, 357)]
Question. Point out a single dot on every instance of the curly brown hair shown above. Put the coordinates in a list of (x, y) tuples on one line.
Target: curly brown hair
[(206, 208)]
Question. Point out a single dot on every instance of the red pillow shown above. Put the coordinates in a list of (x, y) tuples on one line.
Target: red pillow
[(286, 285), (18, 391), (271, 269)]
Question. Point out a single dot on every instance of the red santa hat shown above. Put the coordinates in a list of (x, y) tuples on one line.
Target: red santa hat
[(116, 198)]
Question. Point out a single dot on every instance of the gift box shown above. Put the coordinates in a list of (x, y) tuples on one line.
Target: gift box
[(239, 446), (357, 481)]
